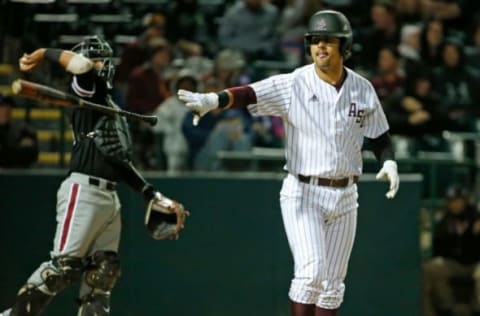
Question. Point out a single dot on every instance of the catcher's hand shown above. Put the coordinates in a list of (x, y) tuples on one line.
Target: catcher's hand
[(165, 218), (28, 62), (199, 103)]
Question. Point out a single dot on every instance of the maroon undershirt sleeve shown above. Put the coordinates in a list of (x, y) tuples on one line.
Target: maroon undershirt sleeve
[(237, 97)]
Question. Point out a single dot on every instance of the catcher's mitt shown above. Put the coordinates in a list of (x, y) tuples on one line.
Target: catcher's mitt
[(164, 218)]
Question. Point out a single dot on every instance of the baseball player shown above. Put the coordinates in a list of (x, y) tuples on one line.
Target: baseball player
[(327, 110), (85, 247)]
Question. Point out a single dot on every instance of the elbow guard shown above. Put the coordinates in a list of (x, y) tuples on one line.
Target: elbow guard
[(79, 64)]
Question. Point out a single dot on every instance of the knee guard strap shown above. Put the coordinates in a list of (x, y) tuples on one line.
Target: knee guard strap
[(66, 271), (102, 270)]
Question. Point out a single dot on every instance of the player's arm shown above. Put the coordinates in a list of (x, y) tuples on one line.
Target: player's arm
[(382, 147), (202, 103), (72, 62), (136, 181), (383, 150)]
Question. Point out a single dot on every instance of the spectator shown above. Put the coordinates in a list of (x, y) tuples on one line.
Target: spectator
[(409, 48), (229, 69), (148, 83), (472, 51), (431, 43), (357, 11), (148, 88), (409, 11), (455, 255), (228, 134), (267, 131), (137, 53), (416, 111), (170, 119), (389, 78), (457, 85), (455, 14), (186, 27), (250, 26), (385, 31), (18, 142), (293, 26)]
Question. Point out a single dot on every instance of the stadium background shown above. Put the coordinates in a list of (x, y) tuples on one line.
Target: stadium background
[(233, 256)]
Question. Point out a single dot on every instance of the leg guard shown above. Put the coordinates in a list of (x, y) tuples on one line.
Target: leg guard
[(95, 305), (32, 299), (102, 272), (66, 272)]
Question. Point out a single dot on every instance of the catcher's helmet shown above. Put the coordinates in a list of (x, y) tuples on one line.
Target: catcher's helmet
[(95, 48), (330, 23)]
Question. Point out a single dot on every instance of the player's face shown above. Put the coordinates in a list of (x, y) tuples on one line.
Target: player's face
[(325, 51)]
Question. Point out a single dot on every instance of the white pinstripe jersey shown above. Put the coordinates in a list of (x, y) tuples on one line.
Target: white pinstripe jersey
[(324, 128)]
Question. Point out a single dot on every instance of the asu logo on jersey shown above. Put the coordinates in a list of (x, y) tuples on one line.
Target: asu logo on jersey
[(356, 113)]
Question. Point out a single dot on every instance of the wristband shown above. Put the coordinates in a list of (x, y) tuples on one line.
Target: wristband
[(223, 99), (53, 54)]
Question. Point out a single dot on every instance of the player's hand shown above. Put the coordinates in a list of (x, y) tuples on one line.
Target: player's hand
[(390, 173), (199, 103), (29, 62)]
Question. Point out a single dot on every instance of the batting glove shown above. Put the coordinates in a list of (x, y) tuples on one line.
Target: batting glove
[(389, 172), (199, 103)]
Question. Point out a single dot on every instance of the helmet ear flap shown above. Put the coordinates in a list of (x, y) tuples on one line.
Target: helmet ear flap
[(345, 48)]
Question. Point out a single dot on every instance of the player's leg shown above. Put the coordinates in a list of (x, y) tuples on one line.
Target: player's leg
[(102, 269), (55, 275), (340, 228), (48, 280), (303, 223)]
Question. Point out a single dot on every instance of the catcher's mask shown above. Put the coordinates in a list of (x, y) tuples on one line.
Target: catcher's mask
[(330, 23), (160, 222), (97, 49)]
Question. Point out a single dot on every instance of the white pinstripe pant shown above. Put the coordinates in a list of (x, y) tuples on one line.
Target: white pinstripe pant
[(320, 224)]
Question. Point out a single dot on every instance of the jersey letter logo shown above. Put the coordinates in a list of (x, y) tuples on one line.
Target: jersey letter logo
[(356, 113)]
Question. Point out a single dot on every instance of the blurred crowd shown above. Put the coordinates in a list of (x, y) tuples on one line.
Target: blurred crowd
[(422, 57)]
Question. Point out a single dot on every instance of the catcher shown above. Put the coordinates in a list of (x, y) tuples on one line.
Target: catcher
[(87, 236)]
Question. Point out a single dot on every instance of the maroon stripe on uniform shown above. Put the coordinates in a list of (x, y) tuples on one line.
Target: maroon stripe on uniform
[(68, 217)]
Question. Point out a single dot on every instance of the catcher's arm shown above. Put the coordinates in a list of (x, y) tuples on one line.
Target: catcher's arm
[(72, 62), (157, 203)]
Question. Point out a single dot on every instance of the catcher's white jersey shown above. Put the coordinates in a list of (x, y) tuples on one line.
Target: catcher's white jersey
[(324, 127)]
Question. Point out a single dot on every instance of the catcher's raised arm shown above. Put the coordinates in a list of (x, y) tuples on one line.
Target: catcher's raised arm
[(71, 61)]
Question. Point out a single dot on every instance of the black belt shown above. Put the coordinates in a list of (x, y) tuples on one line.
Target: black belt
[(335, 183), (96, 182)]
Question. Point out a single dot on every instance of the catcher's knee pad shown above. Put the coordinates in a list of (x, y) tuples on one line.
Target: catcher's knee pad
[(102, 270), (30, 301), (65, 272), (94, 304)]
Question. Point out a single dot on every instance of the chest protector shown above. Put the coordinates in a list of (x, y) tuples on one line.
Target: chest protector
[(112, 136)]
